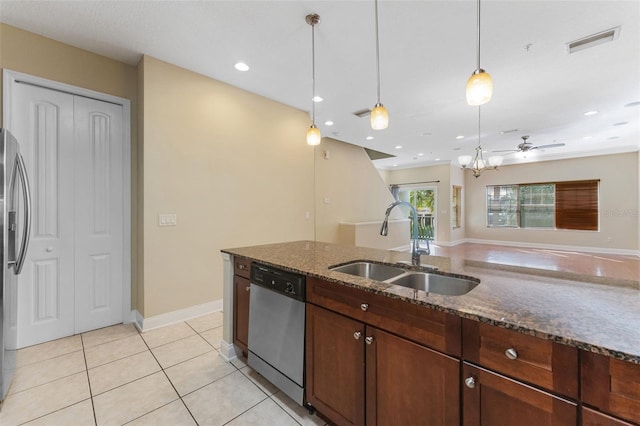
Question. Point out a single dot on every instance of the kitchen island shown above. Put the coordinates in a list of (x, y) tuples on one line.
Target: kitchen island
[(593, 316)]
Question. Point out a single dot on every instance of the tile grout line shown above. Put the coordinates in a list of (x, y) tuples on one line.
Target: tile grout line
[(93, 406), (169, 380)]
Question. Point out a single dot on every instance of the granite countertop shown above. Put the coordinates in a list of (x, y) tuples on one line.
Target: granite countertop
[(592, 313)]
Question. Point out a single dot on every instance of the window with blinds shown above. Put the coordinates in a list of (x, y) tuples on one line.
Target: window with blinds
[(551, 205), (577, 205)]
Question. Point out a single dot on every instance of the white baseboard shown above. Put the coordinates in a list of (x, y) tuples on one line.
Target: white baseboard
[(228, 351), (601, 250), (146, 324)]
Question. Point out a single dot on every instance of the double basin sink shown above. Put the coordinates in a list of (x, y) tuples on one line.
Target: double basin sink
[(424, 281)]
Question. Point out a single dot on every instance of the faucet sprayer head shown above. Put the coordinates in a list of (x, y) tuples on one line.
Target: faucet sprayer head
[(385, 226)]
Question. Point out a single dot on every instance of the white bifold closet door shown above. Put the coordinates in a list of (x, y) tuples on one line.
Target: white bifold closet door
[(72, 280)]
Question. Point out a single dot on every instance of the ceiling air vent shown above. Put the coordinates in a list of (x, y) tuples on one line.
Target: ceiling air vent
[(362, 113), (593, 40)]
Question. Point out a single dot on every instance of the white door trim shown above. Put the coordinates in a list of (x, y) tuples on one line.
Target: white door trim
[(9, 78)]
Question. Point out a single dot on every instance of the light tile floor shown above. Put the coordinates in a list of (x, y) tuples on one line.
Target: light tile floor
[(172, 375)]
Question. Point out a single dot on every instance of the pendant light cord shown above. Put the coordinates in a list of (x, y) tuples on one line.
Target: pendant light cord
[(377, 51), (478, 39), (313, 72)]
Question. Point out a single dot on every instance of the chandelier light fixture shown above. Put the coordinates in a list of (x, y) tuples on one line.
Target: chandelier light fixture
[(313, 134), (479, 85), (379, 114), (478, 164)]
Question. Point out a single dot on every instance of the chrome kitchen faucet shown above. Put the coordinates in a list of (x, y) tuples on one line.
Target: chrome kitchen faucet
[(416, 251)]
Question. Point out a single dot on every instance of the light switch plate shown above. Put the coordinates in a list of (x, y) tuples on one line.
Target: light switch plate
[(167, 220)]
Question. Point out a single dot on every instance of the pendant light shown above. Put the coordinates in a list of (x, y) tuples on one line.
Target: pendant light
[(379, 114), (479, 85), (478, 164), (313, 134)]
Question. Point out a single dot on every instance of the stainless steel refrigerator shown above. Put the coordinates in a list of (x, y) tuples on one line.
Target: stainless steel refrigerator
[(15, 228)]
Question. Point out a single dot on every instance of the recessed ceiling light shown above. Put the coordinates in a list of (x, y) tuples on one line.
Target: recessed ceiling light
[(317, 99), (587, 137), (241, 66), (591, 113), (459, 137), (394, 165), (420, 154), (328, 123), (632, 104), (437, 159), (622, 123), (398, 146), (369, 138)]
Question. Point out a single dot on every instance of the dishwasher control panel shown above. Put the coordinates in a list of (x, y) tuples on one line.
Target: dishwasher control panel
[(286, 283)]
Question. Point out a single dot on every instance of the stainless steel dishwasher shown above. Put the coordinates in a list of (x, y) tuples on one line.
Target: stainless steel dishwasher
[(276, 328)]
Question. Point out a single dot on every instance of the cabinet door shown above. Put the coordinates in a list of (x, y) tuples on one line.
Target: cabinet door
[(241, 312), (409, 384), (335, 366), (495, 400), (611, 384), (595, 418)]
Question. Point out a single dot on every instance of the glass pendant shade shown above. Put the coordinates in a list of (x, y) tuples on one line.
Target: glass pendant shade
[(495, 160), (379, 117), (479, 88), (313, 136), (465, 160)]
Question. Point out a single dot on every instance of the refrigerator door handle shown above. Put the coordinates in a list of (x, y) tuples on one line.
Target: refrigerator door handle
[(22, 170)]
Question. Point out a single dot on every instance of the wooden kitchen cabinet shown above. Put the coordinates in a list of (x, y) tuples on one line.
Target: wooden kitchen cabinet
[(492, 399), (595, 418), (335, 366), (350, 362), (611, 385), (540, 362), (408, 384), (241, 287)]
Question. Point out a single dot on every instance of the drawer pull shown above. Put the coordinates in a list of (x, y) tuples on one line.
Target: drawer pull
[(357, 335), (364, 307), (248, 288), (241, 266), (369, 340), (511, 353), (470, 382)]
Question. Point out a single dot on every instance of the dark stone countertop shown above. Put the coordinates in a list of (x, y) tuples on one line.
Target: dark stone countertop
[(596, 314)]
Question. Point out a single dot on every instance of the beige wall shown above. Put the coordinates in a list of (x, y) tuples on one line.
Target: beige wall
[(233, 166), (443, 200), (619, 189), (32, 54), (348, 189)]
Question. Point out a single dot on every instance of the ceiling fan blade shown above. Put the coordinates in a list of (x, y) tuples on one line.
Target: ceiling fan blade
[(553, 145), (506, 150)]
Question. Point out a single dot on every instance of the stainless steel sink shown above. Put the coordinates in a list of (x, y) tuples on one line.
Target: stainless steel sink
[(424, 281), (372, 271), (435, 283)]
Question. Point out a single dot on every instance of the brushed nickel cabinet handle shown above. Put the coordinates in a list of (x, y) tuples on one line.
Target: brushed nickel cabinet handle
[(364, 307), (248, 288), (511, 353), (470, 382), (369, 340), (357, 335)]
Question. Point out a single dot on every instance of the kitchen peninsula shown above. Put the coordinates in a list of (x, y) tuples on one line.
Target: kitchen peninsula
[(521, 331)]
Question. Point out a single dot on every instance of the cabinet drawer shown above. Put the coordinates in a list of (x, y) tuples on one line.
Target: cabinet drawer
[(611, 385), (435, 329), (242, 266), (538, 361)]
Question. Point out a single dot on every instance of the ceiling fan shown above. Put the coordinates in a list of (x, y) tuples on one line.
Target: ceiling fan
[(528, 146)]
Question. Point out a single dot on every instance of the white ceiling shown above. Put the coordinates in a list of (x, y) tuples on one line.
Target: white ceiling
[(427, 52)]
